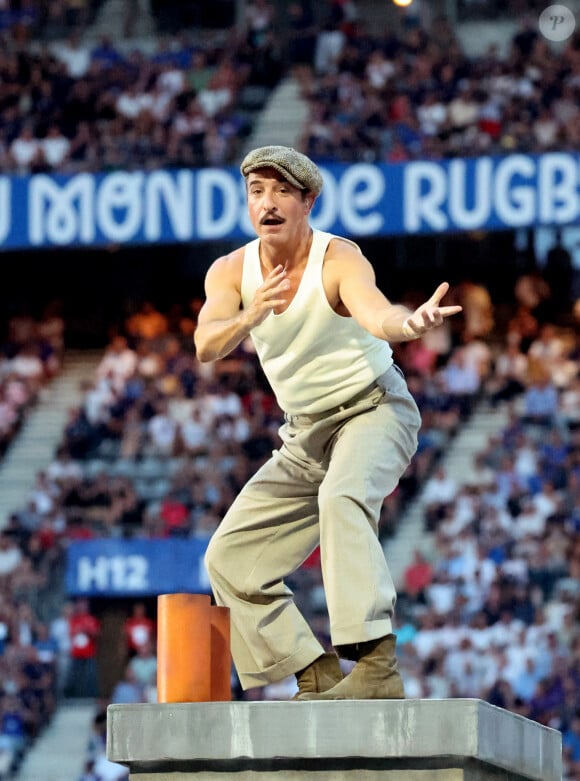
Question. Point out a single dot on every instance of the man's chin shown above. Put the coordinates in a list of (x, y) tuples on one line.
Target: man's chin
[(273, 232)]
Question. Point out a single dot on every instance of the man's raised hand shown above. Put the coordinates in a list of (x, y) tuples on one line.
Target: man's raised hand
[(429, 315), (269, 295)]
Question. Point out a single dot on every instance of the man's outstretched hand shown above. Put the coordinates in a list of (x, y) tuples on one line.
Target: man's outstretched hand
[(429, 315)]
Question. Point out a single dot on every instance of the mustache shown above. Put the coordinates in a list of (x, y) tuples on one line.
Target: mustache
[(271, 215)]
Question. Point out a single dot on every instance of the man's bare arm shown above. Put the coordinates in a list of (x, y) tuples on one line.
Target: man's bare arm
[(222, 325), (373, 310)]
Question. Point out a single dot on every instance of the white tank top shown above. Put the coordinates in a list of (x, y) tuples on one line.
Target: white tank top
[(313, 358)]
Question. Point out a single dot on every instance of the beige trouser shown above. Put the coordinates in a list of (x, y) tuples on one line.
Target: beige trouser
[(326, 484)]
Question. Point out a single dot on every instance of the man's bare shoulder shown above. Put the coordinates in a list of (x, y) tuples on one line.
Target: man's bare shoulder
[(224, 276), (227, 268), (341, 246), (343, 255), (230, 263), (340, 249), (344, 263)]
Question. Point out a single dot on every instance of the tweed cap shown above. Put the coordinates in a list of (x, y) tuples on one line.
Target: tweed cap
[(295, 167)]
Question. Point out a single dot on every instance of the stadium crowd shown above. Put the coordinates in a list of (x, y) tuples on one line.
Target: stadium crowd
[(71, 105), (419, 95)]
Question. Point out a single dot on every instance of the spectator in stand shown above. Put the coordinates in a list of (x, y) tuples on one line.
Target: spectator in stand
[(59, 631), (417, 577), (10, 558), (220, 91), (478, 312), (43, 494), (126, 509), (14, 727), (84, 628), (222, 400), (541, 400), (546, 130), (105, 54), (28, 365), (194, 433), (133, 101), (509, 377), (128, 689), (63, 468), (18, 390), (80, 436), (329, 45), (139, 629), (547, 348), (73, 54), (162, 430), (118, 363), (143, 666), (553, 457), (479, 476), (55, 148), (461, 381), (531, 292), (133, 435), (24, 150), (477, 355)]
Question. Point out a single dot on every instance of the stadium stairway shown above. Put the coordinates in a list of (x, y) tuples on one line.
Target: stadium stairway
[(282, 119), (457, 459), (60, 752), (33, 448), (110, 20)]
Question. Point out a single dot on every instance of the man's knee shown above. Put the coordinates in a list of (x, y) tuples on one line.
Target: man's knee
[(223, 564), (337, 502), (214, 559), (232, 572), (340, 505)]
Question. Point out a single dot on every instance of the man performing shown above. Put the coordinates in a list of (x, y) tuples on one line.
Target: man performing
[(321, 329)]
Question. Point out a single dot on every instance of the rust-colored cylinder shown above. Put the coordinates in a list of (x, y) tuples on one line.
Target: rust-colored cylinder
[(221, 662), (183, 648)]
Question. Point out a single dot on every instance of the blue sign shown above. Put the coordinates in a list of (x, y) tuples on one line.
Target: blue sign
[(116, 568), (360, 199)]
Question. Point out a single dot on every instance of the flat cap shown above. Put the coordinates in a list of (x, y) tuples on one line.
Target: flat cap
[(295, 167)]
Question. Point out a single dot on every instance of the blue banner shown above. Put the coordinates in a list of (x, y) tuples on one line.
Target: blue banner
[(360, 199), (127, 568)]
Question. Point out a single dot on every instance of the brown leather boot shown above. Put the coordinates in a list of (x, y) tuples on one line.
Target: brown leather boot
[(374, 677), (319, 676)]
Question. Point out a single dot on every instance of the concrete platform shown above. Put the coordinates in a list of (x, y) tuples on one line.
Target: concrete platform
[(355, 740)]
